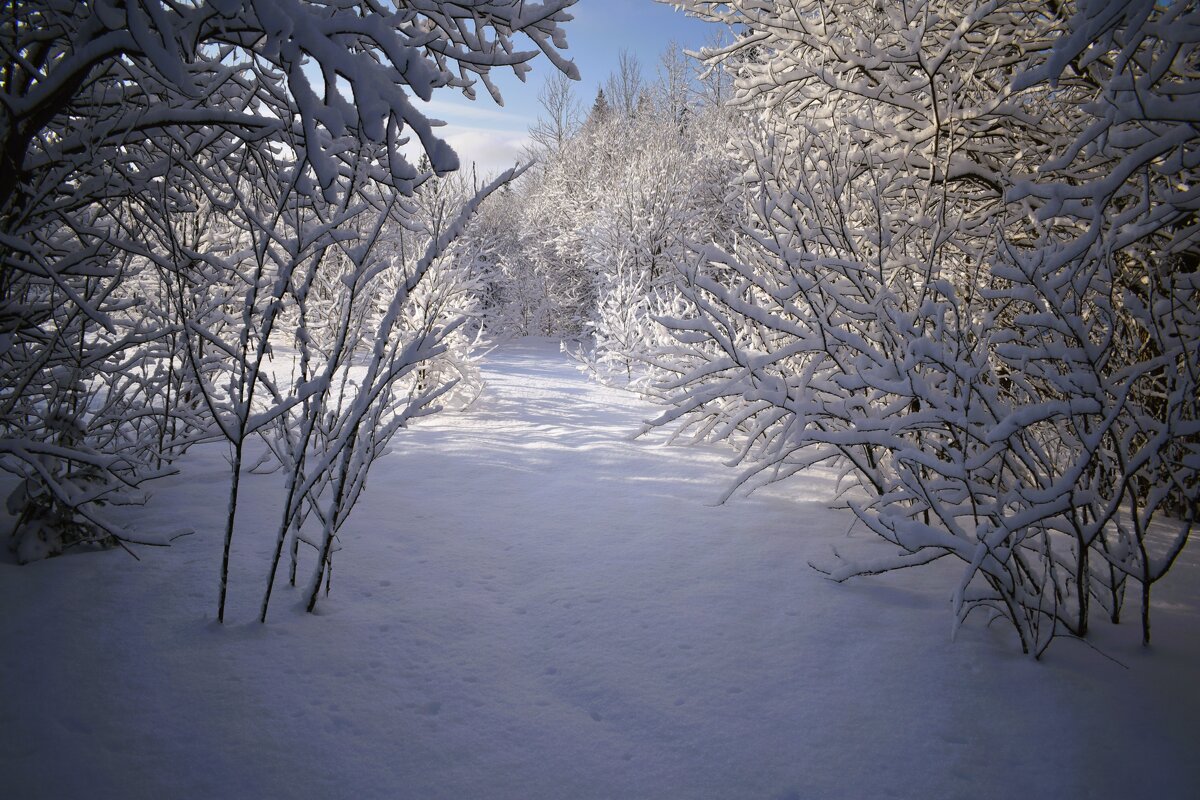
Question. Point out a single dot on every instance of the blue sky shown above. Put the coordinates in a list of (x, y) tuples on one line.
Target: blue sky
[(493, 136)]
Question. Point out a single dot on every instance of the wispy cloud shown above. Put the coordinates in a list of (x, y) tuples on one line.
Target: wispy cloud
[(456, 108)]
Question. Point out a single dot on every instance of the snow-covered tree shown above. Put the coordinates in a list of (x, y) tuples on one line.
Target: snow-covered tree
[(625, 85), (600, 107), (607, 212), (560, 116), (651, 204)]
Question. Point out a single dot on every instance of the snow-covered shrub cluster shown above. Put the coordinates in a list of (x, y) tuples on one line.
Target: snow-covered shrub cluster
[(208, 229), (968, 275), (607, 208)]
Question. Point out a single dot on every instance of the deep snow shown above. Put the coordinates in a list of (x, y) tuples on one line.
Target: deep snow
[(527, 604)]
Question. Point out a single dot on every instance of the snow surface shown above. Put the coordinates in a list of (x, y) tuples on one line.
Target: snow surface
[(527, 604)]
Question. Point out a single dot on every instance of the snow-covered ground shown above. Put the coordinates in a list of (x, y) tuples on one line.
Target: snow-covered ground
[(530, 605)]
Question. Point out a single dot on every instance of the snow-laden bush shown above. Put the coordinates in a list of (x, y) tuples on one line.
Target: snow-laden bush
[(969, 278), (177, 182), (394, 349)]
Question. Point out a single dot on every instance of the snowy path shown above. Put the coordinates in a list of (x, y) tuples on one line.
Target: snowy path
[(529, 605)]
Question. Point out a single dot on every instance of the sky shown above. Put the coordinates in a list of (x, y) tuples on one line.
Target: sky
[(494, 137)]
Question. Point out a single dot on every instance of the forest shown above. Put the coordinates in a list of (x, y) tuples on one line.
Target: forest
[(813, 412), (950, 249)]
